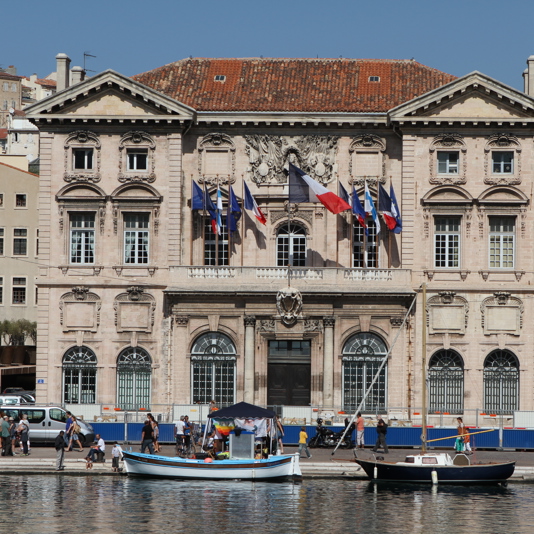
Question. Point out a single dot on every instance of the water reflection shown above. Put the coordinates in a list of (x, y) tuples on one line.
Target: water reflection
[(61, 504)]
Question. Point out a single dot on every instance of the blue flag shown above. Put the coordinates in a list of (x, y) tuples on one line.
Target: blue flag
[(210, 206), (198, 198), (357, 210), (233, 211)]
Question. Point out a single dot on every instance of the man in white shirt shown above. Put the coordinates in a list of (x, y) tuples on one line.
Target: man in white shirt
[(179, 427), (100, 447)]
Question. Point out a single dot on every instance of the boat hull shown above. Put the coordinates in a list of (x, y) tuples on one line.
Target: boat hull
[(446, 474), (154, 466)]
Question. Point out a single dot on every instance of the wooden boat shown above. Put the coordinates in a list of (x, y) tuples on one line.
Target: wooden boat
[(274, 468), (437, 468)]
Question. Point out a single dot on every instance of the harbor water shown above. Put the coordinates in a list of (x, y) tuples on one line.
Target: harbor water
[(66, 504)]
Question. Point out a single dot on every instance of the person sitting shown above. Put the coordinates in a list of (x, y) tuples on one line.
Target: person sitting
[(95, 449)]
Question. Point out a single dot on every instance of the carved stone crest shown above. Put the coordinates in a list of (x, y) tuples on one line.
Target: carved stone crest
[(216, 159), (289, 305), (269, 156)]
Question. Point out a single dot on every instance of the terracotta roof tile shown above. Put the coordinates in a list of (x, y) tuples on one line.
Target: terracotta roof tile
[(320, 85)]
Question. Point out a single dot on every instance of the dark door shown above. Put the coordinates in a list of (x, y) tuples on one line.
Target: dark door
[(289, 373)]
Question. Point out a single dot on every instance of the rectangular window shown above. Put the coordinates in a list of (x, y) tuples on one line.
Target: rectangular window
[(503, 162), (82, 159), (215, 247), (19, 291), (502, 242), (136, 238), (20, 242), (365, 247), (1, 200), (20, 200), (1, 241), (447, 241), (82, 238), (137, 159), (448, 162), (1, 290)]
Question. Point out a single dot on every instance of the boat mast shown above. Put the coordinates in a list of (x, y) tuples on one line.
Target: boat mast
[(423, 364)]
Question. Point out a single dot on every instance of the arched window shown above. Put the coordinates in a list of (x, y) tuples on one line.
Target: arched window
[(446, 382), (501, 382), (362, 355), (213, 360), (291, 246), (134, 372), (79, 376)]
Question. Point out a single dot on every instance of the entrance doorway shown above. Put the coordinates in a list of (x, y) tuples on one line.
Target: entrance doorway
[(289, 373)]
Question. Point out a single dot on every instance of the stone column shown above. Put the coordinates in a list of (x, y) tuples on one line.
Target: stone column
[(328, 361), (250, 341)]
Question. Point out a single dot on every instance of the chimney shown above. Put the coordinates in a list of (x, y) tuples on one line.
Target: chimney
[(525, 81), (63, 71), (529, 78), (77, 75)]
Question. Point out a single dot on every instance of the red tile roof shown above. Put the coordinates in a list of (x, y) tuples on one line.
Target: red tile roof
[(46, 82), (320, 85)]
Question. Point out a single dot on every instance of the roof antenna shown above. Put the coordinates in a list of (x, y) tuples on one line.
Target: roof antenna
[(85, 56)]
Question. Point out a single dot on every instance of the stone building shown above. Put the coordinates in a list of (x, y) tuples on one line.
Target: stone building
[(141, 304)]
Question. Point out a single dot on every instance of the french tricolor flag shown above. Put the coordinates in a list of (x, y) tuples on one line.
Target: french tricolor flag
[(302, 188), (385, 206), (250, 204)]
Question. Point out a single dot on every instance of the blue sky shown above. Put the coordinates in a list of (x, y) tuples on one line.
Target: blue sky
[(457, 36)]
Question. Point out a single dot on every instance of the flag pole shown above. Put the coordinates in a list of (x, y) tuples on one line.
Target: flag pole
[(389, 234), (228, 215), (244, 231), (365, 220), (351, 237), (288, 231), (192, 224), (217, 225), (337, 226), (204, 222)]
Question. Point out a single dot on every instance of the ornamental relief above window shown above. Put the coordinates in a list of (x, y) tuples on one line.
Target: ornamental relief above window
[(269, 156), (137, 162), (79, 310), (134, 310), (502, 314), (82, 157), (367, 161), (216, 159), (447, 163), (502, 160)]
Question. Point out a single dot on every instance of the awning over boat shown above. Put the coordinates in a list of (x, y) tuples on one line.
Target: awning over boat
[(242, 410)]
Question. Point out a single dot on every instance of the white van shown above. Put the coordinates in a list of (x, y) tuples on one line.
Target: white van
[(46, 422)]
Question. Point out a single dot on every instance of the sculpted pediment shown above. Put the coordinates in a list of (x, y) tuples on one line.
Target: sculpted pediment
[(109, 103), (447, 195), (472, 97)]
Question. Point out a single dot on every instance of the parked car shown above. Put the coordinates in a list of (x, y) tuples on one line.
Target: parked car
[(46, 422), (13, 391), (16, 399)]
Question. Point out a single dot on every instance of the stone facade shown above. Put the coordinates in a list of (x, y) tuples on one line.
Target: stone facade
[(460, 159)]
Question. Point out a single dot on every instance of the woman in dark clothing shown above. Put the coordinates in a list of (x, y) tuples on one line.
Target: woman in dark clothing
[(381, 430)]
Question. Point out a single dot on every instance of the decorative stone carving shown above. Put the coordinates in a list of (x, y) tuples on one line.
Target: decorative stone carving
[(137, 140), (305, 215), (269, 156), (368, 145), (452, 141), (249, 320), (289, 305), (181, 320), (312, 325), (82, 139), (134, 310), (79, 310), (502, 314), (426, 222), (329, 322), (447, 313), (502, 141), (396, 322), (267, 325), (216, 159)]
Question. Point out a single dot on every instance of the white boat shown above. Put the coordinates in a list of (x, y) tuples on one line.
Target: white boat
[(271, 469)]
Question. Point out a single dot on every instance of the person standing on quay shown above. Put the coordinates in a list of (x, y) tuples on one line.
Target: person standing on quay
[(360, 430), (24, 430), (303, 442), (60, 450), (147, 436), (381, 430)]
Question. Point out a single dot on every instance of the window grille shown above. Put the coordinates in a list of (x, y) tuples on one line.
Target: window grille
[(291, 246), (446, 382), (362, 355), (213, 361), (134, 373), (79, 376), (501, 382), (365, 247)]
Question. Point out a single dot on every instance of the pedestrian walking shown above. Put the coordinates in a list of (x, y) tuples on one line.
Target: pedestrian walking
[(279, 435), (5, 435), (116, 455), (60, 450), (381, 430), (303, 442), (74, 430)]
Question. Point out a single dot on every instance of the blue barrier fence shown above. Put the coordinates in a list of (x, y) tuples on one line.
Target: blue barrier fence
[(396, 437)]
